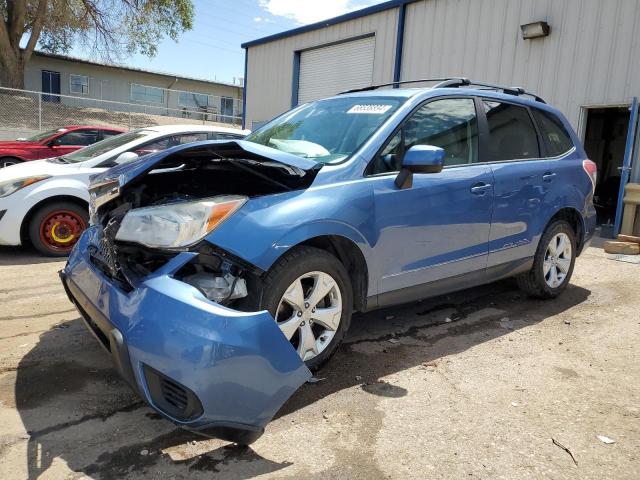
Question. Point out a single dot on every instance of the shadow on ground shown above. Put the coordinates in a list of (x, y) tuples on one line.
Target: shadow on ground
[(77, 410), (26, 255)]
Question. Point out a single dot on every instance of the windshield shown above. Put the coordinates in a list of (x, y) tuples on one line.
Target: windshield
[(327, 131), (43, 135), (92, 151)]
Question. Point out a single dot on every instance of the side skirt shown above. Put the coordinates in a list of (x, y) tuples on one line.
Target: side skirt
[(449, 285)]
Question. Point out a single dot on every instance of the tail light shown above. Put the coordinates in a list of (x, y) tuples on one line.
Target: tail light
[(592, 170)]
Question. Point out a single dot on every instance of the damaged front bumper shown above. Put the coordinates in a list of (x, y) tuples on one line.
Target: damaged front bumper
[(207, 368)]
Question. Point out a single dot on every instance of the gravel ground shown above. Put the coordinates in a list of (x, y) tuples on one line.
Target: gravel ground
[(470, 385)]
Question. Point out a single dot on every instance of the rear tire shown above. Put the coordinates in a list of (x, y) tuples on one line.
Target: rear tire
[(8, 161), (553, 263), (56, 227), (292, 293)]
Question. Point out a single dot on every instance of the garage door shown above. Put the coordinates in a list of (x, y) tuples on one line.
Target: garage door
[(329, 70)]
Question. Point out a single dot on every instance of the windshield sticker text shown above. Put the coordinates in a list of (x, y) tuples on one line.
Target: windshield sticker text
[(369, 109)]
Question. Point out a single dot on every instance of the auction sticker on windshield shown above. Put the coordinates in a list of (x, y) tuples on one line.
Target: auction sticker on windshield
[(370, 109)]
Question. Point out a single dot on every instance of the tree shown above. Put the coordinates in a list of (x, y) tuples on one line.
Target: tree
[(110, 29)]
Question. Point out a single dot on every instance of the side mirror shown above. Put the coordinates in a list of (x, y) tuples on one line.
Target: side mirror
[(125, 157), (419, 159)]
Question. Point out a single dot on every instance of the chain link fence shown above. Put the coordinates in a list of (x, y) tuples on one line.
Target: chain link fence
[(24, 113)]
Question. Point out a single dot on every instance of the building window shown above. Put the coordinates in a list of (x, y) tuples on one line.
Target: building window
[(79, 84), (226, 109), (141, 93), (193, 101)]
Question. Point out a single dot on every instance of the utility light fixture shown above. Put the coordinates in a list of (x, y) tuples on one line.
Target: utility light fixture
[(535, 30)]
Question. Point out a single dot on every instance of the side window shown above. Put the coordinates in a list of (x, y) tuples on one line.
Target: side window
[(225, 136), (555, 136), (450, 124), (190, 138), (169, 142), (511, 131), (109, 133), (77, 138)]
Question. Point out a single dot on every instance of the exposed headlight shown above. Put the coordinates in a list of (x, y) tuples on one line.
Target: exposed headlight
[(177, 224), (12, 186)]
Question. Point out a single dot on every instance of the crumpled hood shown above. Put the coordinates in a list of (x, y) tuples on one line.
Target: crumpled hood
[(234, 149)]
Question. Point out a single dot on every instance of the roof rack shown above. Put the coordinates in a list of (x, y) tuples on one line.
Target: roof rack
[(393, 84), (454, 83)]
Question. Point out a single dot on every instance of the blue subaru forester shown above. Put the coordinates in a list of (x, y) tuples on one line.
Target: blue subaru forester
[(220, 274)]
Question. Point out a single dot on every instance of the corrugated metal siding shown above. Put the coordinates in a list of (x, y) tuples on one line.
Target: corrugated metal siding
[(270, 66), (591, 57), (330, 70)]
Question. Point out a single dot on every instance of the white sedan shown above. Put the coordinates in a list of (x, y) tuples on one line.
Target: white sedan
[(46, 201)]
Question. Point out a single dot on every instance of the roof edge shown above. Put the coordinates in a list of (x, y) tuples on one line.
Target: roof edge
[(85, 61), (381, 7)]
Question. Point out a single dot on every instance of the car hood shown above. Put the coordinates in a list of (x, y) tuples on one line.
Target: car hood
[(230, 150), (29, 169), (16, 144)]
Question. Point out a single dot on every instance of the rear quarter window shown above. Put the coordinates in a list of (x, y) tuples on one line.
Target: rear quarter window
[(554, 134)]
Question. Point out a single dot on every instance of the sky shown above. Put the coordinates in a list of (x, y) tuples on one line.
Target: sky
[(211, 50)]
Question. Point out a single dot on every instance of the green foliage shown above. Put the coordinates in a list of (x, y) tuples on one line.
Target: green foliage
[(109, 29)]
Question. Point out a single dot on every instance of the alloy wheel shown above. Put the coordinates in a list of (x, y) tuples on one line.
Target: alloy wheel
[(310, 312), (557, 260)]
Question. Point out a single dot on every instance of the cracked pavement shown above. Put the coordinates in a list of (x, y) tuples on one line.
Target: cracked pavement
[(470, 385)]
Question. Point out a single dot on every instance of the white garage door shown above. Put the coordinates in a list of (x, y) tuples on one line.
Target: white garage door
[(327, 71)]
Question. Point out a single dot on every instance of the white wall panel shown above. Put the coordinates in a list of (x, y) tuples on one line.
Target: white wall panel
[(270, 65), (591, 57)]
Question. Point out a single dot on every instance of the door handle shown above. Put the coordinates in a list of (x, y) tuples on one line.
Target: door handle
[(547, 177), (480, 188)]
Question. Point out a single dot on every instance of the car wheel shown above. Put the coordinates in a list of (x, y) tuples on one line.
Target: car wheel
[(8, 161), (309, 295), (55, 228), (553, 263)]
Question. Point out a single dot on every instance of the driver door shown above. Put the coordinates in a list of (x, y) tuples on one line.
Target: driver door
[(439, 227)]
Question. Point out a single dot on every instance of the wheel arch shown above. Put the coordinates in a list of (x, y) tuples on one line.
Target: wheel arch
[(12, 157), (573, 217), (351, 256), (24, 228)]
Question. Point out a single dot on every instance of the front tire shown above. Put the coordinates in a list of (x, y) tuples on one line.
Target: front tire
[(553, 263), (8, 161), (308, 293), (56, 227)]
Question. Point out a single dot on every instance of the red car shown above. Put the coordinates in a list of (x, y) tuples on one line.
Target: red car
[(53, 143)]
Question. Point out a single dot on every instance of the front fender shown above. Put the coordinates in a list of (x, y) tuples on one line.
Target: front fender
[(19, 154), (316, 229), (58, 187), (267, 227)]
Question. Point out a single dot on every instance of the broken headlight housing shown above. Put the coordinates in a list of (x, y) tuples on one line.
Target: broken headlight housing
[(177, 225)]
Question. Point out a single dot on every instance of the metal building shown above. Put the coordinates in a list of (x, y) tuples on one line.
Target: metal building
[(582, 56)]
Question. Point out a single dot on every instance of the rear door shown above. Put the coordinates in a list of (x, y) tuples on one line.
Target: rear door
[(528, 177), (438, 228)]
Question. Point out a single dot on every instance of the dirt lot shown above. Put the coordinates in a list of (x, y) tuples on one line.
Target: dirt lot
[(410, 395)]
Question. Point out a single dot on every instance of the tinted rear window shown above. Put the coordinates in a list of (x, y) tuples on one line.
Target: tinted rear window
[(512, 134), (555, 136)]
